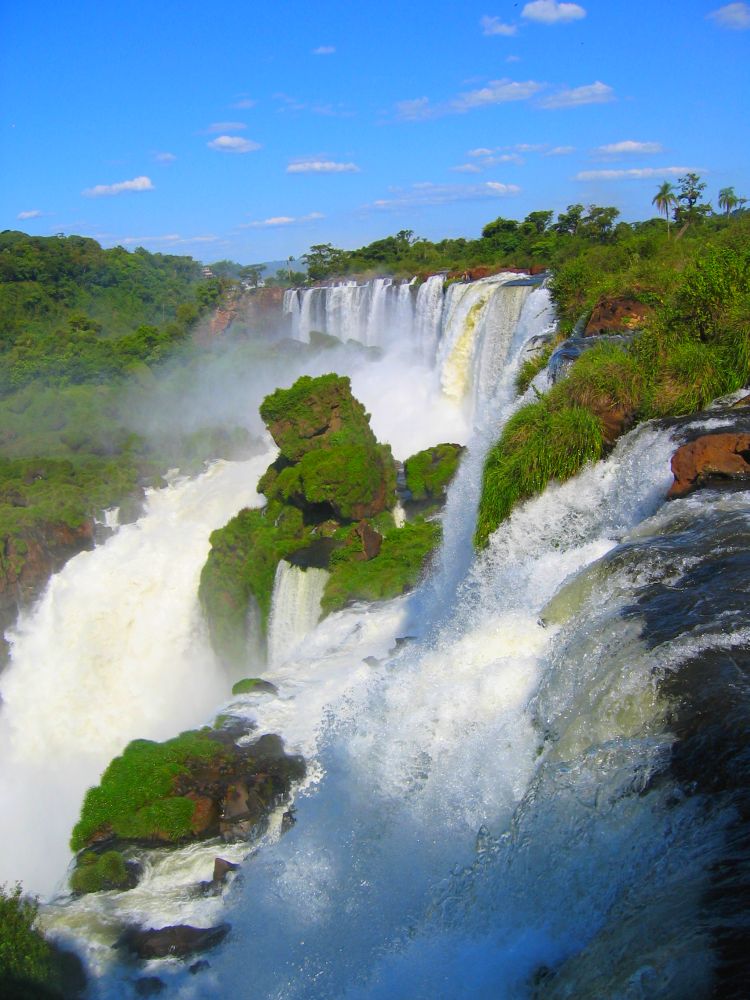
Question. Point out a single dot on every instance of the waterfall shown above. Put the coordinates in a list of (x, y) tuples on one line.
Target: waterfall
[(115, 649), (428, 314), (295, 608)]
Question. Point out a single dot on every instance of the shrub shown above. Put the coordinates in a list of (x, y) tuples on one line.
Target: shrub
[(25, 956)]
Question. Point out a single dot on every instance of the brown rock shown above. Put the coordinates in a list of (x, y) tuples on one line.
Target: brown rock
[(371, 541), (205, 821), (710, 458), (617, 315), (740, 403), (222, 868), (179, 940)]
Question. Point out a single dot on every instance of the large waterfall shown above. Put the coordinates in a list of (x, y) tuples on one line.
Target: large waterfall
[(493, 807)]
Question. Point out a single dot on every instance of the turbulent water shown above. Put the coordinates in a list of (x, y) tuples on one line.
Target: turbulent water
[(514, 802)]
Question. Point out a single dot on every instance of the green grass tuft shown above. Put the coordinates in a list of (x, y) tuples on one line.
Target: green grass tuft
[(98, 872)]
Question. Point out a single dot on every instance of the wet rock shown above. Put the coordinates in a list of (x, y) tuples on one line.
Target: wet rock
[(369, 539), (222, 868), (200, 966), (178, 941), (254, 685), (288, 820), (616, 315), (710, 460), (149, 986)]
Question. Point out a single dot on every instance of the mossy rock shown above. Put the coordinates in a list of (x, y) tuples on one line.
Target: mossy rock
[(396, 569), (429, 472), (254, 685), (101, 872)]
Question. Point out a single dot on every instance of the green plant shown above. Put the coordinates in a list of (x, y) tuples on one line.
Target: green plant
[(97, 872), (25, 956), (531, 367), (429, 472)]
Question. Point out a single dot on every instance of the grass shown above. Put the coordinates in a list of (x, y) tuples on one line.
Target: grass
[(97, 872), (134, 797), (429, 472), (531, 368)]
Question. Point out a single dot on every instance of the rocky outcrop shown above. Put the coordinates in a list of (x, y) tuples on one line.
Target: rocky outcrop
[(257, 311), (177, 941), (617, 314), (710, 460), (428, 473)]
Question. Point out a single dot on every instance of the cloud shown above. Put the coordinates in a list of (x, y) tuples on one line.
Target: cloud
[(242, 103), (324, 50), (281, 220), (233, 144), (735, 16), (494, 26), (552, 12), (635, 173), (495, 92), (443, 194), (33, 213), (165, 157), (560, 151), (322, 167), (226, 127), (137, 184), (575, 97), (480, 151), (627, 147), (467, 168), (512, 59)]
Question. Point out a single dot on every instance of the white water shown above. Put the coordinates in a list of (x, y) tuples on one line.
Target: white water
[(295, 609)]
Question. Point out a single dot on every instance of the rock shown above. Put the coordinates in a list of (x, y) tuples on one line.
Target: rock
[(287, 821), (370, 540), (179, 940), (742, 402), (254, 685), (222, 868), (200, 966), (149, 986), (617, 314), (428, 473), (709, 460)]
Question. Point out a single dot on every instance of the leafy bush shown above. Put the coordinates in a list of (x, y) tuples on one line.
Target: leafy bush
[(25, 956)]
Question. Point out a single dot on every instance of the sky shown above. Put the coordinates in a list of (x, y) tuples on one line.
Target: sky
[(252, 131)]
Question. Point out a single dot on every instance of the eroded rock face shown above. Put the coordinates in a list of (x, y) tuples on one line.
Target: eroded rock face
[(616, 315), (709, 460), (178, 941)]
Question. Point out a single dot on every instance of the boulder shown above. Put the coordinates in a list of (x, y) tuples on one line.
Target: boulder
[(178, 941), (710, 460), (369, 539), (617, 314)]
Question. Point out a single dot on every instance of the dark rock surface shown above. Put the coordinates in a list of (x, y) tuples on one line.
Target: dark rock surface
[(178, 941)]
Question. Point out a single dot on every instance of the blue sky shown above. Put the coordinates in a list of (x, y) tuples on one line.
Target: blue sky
[(252, 131)]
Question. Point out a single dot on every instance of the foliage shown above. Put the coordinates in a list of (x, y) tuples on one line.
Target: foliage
[(429, 472), (531, 367), (98, 872), (396, 568), (133, 798), (249, 684), (25, 957)]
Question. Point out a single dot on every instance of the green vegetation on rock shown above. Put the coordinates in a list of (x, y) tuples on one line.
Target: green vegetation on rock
[(531, 368), (134, 798), (396, 569), (98, 872), (429, 472)]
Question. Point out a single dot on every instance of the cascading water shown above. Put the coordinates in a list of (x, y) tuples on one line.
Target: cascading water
[(295, 608), (498, 796)]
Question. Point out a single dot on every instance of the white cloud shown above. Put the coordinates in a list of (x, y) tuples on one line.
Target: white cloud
[(415, 110), (33, 213), (560, 151), (233, 144), (635, 173), (165, 157), (242, 103), (137, 184), (480, 151), (226, 127), (512, 59), (575, 97), (496, 92), (552, 12), (494, 26), (735, 16), (324, 50), (467, 168), (628, 147), (322, 167), (443, 194), (281, 220)]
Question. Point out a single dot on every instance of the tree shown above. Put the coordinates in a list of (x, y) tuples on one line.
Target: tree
[(323, 260), (598, 224), (689, 208), (570, 220), (536, 222), (728, 200), (664, 199)]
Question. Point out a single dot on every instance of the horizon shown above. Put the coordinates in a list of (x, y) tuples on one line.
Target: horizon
[(198, 134)]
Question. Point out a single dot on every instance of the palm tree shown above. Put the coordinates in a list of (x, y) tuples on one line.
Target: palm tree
[(664, 199), (728, 200)]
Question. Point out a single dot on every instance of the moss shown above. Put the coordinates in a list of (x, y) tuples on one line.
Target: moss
[(429, 472), (134, 797), (250, 684), (538, 444), (355, 480), (98, 872), (396, 569)]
